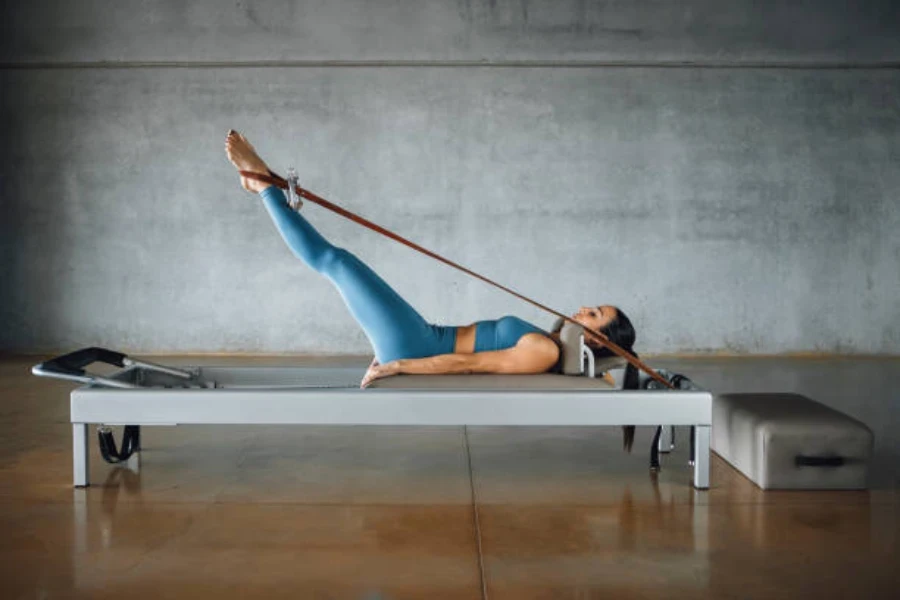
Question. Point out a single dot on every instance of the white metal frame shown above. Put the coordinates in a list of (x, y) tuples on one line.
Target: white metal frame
[(324, 404)]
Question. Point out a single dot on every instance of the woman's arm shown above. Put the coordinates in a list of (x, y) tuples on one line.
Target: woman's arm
[(534, 353), (512, 360)]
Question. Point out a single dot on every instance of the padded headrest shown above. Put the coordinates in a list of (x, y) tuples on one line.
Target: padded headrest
[(571, 336)]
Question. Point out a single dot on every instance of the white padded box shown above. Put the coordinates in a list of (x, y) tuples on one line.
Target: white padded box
[(787, 441)]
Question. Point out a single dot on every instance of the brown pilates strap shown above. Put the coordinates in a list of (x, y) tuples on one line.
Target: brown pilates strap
[(278, 181)]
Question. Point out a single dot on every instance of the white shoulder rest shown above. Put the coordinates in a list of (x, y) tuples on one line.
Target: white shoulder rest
[(578, 358)]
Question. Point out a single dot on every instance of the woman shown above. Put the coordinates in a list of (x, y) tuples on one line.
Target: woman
[(403, 341)]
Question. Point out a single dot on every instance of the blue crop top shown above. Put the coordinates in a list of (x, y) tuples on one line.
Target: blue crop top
[(501, 334)]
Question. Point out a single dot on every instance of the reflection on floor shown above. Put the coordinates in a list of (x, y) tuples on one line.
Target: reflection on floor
[(388, 512)]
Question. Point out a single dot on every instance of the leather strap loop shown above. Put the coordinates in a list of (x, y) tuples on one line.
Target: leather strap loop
[(278, 181)]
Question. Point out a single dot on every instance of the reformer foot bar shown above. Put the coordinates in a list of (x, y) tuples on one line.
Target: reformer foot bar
[(142, 393)]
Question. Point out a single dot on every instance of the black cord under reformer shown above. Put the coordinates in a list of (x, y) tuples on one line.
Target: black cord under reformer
[(131, 443)]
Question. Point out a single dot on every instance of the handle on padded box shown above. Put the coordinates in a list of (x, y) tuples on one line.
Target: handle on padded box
[(819, 461)]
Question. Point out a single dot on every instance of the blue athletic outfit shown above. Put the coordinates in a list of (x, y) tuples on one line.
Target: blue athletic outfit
[(502, 333), (393, 327)]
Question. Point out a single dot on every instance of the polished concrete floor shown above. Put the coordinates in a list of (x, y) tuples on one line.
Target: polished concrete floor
[(389, 512)]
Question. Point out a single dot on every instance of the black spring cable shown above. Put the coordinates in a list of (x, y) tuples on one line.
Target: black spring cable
[(678, 382), (654, 450), (131, 443)]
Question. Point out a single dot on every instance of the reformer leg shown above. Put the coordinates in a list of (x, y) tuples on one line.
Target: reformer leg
[(80, 456), (692, 445), (667, 439), (701, 457)]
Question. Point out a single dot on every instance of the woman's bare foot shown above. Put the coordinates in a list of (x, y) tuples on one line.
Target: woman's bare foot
[(244, 157)]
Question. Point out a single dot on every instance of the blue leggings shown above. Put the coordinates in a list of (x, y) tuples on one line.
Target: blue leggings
[(393, 327)]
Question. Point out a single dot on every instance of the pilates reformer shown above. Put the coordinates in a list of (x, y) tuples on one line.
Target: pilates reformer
[(143, 393), (146, 394)]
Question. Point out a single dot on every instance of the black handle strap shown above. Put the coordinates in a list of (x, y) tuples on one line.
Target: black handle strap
[(74, 363), (131, 443)]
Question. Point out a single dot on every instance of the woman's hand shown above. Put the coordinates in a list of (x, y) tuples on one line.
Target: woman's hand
[(378, 371)]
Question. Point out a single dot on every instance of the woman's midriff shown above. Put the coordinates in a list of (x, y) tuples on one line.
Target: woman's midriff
[(465, 339)]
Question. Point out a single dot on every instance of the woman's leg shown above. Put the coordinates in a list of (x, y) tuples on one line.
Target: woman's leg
[(393, 327)]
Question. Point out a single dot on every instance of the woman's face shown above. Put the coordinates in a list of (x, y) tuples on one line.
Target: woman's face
[(596, 317)]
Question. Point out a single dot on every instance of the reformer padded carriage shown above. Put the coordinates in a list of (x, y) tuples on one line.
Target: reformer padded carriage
[(143, 393)]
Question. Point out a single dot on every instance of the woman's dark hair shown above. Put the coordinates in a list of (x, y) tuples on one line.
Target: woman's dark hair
[(620, 331)]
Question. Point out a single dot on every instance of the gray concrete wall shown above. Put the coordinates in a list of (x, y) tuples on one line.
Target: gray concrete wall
[(704, 31), (747, 203)]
